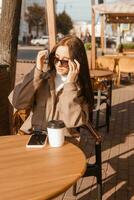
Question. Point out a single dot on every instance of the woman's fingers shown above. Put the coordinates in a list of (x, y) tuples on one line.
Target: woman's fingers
[(43, 54), (74, 67), (78, 65), (41, 57), (71, 67)]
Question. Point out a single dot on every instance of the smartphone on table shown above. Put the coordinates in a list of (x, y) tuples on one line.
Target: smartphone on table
[(37, 140)]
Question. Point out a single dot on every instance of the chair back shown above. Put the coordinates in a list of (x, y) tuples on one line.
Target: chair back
[(104, 62), (19, 118), (126, 64)]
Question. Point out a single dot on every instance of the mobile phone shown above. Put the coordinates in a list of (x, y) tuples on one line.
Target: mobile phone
[(37, 141)]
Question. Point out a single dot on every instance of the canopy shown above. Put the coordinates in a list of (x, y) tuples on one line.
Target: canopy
[(124, 6), (121, 12)]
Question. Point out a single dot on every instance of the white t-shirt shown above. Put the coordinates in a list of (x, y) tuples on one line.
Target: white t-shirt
[(59, 82)]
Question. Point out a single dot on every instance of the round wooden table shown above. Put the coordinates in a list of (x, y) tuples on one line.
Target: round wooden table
[(37, 173), (96, 73)]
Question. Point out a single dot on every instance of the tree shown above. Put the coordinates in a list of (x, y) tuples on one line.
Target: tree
[(35, 17), (64, 23), (9, 26)]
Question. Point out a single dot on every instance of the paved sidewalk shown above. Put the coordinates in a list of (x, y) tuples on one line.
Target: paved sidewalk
[(117, 149), (30, 47)]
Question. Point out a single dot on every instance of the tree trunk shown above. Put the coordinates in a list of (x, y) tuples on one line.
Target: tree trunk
[(9, 26), (29, 28), (37, 30)]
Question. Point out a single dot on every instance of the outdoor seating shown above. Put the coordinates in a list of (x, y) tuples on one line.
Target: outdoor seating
[(104, 62), (109, 62), (102, 86), (126, 65), (103, 96)]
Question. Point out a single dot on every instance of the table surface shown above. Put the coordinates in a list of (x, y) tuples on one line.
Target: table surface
[(100, 73), (119, 55), (37, 173)]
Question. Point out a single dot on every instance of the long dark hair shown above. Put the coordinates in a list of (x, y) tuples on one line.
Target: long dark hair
[(77, 51)]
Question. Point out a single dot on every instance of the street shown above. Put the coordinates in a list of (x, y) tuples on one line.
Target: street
[(28, 52)]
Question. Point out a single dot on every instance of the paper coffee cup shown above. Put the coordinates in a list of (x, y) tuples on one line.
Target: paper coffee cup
[(55, 130)]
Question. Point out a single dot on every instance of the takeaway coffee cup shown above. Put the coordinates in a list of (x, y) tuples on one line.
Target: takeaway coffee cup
[(55, 130)]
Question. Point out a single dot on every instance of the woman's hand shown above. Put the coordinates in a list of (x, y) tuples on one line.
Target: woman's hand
[(40, 61), (74, 68)]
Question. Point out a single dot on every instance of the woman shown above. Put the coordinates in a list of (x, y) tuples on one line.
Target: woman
[(60, 90)]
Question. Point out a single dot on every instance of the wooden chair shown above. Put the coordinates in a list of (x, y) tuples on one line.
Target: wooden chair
[(19, 118), (126, 65), (107, 63), (102, 96), (105, 94)]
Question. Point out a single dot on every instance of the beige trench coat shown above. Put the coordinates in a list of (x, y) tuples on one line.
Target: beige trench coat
[(39, 95)]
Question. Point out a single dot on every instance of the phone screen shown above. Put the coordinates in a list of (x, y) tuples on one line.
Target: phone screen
[(37, 140)]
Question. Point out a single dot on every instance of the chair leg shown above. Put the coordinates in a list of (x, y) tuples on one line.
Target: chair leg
[(94, 170), (110, 96), (97, 119), (98, 108), (99, 188), (107, 116)]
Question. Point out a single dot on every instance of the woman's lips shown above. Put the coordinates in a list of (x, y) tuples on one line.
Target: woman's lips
[(61, 69)]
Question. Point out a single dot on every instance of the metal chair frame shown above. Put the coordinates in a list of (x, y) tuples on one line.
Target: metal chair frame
[(103, 97), (96, 168)]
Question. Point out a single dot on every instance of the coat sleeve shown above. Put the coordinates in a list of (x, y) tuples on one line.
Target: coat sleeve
[(24, 92), (74, 110)]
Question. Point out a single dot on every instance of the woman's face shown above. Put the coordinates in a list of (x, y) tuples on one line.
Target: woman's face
[(61, 60)]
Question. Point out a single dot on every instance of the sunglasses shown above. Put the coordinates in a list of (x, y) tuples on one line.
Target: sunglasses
[(64, 63)]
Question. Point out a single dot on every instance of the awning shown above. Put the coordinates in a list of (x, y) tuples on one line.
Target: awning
[(121, 12)]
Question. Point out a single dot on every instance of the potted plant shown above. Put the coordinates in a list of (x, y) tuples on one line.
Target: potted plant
[(126, 47)]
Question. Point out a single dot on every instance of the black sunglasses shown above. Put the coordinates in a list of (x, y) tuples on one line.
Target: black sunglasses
[(64, 63)]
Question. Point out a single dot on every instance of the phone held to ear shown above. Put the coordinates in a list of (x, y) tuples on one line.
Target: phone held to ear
[(37, 140)]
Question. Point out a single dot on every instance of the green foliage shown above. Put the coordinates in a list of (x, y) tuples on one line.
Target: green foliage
[(64, 23), (125, 46), (88, 46), (35, 17)]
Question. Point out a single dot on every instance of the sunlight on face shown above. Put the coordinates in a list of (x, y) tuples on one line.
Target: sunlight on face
[(61, 60)]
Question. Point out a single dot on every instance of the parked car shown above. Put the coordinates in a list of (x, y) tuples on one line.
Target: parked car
[(43, 40)]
